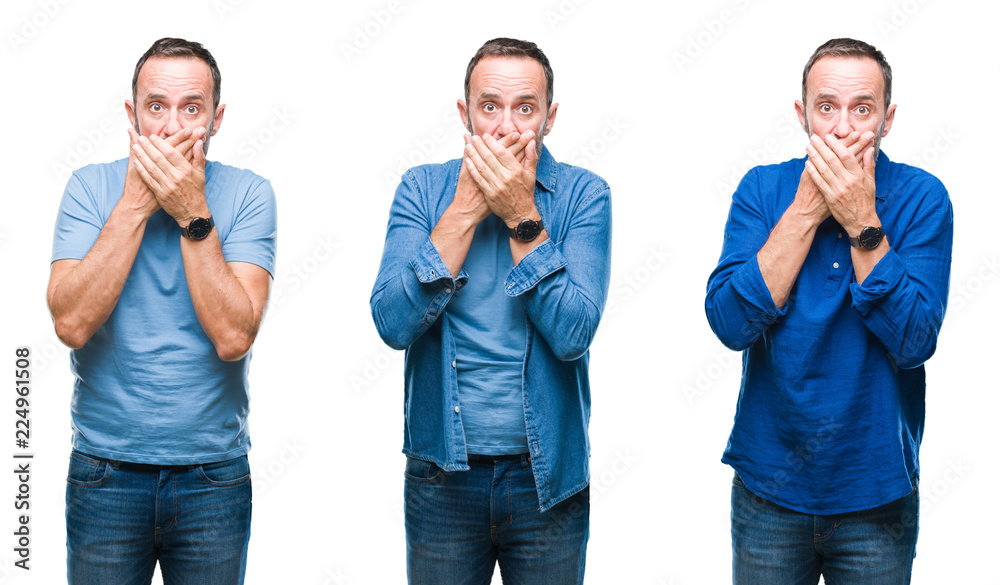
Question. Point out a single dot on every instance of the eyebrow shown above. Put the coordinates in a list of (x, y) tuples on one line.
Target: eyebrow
[(863, 97), (524, 97), (158, 97)]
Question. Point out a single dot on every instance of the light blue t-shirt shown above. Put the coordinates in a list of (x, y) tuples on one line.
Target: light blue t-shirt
[(150, 387), (490, 338)]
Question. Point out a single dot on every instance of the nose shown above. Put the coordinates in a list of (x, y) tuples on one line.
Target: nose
[(173, 124), (507, 124), (843, 126)]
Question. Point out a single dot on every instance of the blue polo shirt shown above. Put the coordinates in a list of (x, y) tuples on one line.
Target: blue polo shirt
[(831, 404), (149, 386)]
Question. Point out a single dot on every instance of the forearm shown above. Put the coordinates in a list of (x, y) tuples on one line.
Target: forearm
[(781, 257), (228, 314), (452, 237), (864, 261), (519, 249), (82, 294)]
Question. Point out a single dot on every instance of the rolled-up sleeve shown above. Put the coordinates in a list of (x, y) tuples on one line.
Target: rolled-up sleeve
[(738, 303), (903, 300), (413, 285), (565, 283)]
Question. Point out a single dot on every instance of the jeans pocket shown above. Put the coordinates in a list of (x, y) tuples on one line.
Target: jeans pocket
[(225, 473), (87, 471), (420, 471)]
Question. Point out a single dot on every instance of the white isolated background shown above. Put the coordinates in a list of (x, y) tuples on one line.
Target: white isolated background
[(669, 102)]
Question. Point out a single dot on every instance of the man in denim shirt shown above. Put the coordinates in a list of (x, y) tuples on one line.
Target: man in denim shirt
[(493, 278), (833, 281)]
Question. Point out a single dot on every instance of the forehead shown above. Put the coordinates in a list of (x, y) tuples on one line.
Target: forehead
[(175, 74), (845, 76), (507, 75)]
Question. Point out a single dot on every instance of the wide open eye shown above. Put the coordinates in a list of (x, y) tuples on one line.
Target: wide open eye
[(191, 109), (489, 108), (526, 109)]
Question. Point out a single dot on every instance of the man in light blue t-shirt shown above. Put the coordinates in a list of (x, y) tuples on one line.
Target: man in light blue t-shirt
[(161, 267)]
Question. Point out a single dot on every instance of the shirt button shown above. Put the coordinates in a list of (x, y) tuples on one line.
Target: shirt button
[(447, 291), (457, 409), (453, 362), (836, 264), (840, 235)]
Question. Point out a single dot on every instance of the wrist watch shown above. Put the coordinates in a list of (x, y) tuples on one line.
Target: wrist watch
[(868, 239), (198, 229), (527, 230)]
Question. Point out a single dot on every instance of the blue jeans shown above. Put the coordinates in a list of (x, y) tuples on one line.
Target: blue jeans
[(460, 524), (776, 546), (121, 518)]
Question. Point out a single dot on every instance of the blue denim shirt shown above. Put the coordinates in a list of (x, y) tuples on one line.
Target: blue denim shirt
[(563, 284), (831, 407)]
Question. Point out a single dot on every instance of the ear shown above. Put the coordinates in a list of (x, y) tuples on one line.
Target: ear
[(217, 122), (463, 112), (551, 120), (130, 111), (800, 111), (890, 114)]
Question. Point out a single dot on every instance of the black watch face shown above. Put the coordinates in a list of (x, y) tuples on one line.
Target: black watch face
[(199, 228), (527, 230), (870, 237)]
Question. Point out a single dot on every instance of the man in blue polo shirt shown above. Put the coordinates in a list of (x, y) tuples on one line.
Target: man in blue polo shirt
[(833, 282), (493, 278), (161, 266)]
